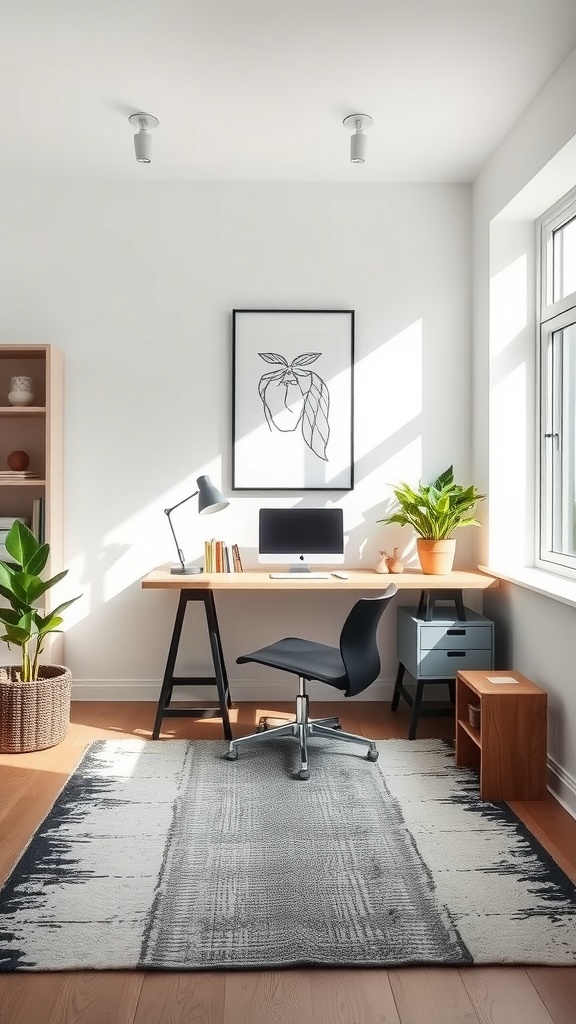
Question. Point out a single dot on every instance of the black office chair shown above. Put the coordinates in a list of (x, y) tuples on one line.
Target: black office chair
[(351, 667)]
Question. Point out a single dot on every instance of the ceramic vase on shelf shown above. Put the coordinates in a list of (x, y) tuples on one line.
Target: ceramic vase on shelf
[(382, 565), (21, 391)]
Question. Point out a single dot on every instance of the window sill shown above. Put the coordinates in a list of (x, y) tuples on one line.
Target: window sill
[(546, 583)]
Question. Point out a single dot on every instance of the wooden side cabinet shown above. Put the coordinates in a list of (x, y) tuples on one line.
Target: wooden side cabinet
[(508, 748)]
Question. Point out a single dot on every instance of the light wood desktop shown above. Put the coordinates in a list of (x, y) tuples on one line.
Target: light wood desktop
[(358, 579), (202, 586)]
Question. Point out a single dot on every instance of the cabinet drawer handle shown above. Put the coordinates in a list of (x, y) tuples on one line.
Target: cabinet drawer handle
[(456, 654), (455, 632)]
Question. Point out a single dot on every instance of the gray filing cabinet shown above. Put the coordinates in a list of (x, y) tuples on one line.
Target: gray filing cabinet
[(435, 649)]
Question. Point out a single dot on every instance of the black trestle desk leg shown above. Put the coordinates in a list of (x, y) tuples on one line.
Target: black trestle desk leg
[(220, 674), (167, 683), (219, 679)]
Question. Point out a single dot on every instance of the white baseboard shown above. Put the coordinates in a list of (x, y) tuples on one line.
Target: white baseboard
[(563, 786), (241, 689)]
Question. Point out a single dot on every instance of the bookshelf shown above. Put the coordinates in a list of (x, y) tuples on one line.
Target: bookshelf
[(36, 429)]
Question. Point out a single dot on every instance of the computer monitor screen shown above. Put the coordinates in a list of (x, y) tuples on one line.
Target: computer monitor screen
[(301, 537)]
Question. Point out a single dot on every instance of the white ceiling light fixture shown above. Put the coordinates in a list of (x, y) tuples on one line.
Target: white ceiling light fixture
[(142, 140), (358, 140)]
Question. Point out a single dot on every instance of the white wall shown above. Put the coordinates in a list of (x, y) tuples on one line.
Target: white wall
[(136, 285), (532, 169)]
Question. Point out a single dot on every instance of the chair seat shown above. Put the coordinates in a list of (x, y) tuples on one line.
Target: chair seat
[(304, 658)]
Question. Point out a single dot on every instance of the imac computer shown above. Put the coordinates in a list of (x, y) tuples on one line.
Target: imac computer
[(301, 537)]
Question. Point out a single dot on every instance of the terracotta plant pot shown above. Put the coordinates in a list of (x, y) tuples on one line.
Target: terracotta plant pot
[(436, 556), (34, 715)]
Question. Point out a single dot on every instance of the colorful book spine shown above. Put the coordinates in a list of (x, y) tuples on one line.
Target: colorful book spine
[(218, 545)]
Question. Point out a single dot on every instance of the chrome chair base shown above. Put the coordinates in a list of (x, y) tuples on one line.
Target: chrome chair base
[(302, 728)]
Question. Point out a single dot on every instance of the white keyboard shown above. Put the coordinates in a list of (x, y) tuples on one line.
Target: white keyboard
[(299, 576)]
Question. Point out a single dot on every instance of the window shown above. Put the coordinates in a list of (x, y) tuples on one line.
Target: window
[(557, 511)]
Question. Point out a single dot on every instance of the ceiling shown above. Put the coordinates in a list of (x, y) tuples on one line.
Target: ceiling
[(258, 89)]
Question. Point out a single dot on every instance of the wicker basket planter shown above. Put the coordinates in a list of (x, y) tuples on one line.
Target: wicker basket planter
[(36, 715)]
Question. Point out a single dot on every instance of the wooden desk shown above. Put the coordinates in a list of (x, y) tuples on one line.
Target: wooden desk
[(202, 586)]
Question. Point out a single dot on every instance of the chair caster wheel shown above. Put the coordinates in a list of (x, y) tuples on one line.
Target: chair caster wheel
[(304, 774), (372, 755), (232, 755)]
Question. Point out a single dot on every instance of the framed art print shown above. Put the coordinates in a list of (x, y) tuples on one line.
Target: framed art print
[(292, 401)]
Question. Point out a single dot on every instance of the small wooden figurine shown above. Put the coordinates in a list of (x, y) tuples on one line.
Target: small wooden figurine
[(394, 563)]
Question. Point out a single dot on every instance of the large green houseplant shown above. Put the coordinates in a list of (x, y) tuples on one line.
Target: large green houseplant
[(34, 698), (434, 511)]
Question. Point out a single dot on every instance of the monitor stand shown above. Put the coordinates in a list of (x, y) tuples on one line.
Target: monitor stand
[(299, 572)]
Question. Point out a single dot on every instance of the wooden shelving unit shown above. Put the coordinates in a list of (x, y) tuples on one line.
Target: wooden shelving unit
[(509, 747), (37, 430)]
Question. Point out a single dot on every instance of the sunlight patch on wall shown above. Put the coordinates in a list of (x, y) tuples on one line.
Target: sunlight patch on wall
[(508, 476), (511, 400), (508, 304), (390, 383), (143, 541)]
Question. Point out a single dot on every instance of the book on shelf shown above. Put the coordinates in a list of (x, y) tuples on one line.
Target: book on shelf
[(37, 525), (6, 522), (16, 474)]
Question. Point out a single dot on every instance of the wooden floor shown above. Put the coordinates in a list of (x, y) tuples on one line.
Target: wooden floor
[(503, 995)]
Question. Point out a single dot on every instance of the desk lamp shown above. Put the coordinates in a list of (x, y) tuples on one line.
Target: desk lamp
[(209, 500)]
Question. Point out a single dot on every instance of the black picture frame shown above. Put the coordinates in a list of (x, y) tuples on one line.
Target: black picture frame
[(292, 399)]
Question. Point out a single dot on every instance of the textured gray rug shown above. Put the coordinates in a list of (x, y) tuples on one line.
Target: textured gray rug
[(163, 855)]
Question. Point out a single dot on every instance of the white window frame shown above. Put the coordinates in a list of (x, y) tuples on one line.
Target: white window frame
[(551, 317)]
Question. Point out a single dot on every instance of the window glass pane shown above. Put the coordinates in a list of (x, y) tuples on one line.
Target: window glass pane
[(564, 257), (563, 442)]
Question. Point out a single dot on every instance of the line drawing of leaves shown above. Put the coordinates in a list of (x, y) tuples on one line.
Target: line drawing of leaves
[(305, 359), (314, 392), (273, 357), (315, 426)]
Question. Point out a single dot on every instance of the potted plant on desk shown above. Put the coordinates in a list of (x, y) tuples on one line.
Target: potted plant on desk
[(434, 511), (34, 697)]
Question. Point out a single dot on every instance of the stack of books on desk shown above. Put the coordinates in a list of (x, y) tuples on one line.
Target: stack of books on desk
[(221, 557)]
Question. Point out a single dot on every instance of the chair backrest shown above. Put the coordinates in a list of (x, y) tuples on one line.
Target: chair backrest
[(358, 645)]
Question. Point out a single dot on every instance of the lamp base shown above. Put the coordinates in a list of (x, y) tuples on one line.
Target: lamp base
[(188, 570)]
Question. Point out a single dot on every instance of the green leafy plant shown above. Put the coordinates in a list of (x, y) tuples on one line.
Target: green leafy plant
[(435, 510), (22, 586)]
